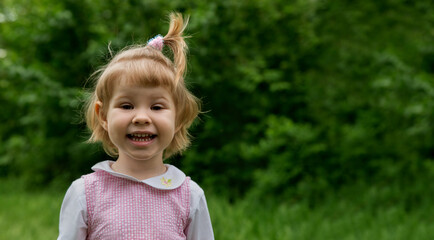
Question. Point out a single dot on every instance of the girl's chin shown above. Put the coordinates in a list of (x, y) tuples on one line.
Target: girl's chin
[(144, 157)]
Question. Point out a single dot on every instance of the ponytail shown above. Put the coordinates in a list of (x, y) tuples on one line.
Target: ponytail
[(175, 40)]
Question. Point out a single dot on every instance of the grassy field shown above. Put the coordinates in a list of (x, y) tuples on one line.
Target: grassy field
[(368, 215)]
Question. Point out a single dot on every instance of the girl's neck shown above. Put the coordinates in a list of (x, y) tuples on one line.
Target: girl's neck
[(139, 169)]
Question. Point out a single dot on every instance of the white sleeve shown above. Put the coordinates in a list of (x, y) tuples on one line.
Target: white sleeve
[(73, 214), (200, 227)]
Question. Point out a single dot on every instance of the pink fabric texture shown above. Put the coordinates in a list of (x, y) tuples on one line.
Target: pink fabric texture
[(119, 208)]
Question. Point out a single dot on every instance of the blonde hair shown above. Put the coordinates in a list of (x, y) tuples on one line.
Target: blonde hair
[(146, 66)]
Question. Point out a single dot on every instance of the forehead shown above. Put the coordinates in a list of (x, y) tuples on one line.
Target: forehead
[(137, 73), (128, 85), (133, 90), (141, 91)]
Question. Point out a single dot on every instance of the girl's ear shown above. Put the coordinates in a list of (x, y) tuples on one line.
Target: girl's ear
[(100, 113)]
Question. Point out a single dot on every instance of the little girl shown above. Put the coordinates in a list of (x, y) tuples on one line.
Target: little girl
[(140, 111)]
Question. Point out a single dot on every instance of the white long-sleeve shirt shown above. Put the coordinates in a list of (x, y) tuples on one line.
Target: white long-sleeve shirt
[(73, 214)]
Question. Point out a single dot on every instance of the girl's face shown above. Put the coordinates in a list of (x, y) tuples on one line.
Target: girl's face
[(140, 122)]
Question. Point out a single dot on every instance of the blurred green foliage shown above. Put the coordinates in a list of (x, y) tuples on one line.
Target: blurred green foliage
[(301, 97)]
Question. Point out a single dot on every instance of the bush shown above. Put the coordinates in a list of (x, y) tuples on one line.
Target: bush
[(299, 97)]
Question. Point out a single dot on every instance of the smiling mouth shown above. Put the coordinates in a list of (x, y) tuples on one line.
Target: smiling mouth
[(141, 137)]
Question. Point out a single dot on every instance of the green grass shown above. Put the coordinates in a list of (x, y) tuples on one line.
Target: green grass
[(28, 215), (370, 214), (339, 219)]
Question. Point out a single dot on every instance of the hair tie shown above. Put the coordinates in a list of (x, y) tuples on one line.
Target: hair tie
[(156, 42)]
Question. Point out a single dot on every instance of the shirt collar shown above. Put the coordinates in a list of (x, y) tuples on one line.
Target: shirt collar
[(171, 179)]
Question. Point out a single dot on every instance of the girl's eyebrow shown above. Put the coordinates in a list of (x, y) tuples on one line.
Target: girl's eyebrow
[(157, 96), (121, 97), (161, 97), (128, 97)]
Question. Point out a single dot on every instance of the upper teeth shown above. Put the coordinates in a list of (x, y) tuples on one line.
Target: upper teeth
[(141, 135)]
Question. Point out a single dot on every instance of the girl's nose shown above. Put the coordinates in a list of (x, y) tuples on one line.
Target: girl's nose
[(142, 117)]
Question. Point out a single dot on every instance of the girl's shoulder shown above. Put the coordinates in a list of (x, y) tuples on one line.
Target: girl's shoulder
[(195, 189), (77, 187)]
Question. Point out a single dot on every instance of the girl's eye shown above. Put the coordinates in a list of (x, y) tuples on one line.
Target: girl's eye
[(126, 106), (157, 107)]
